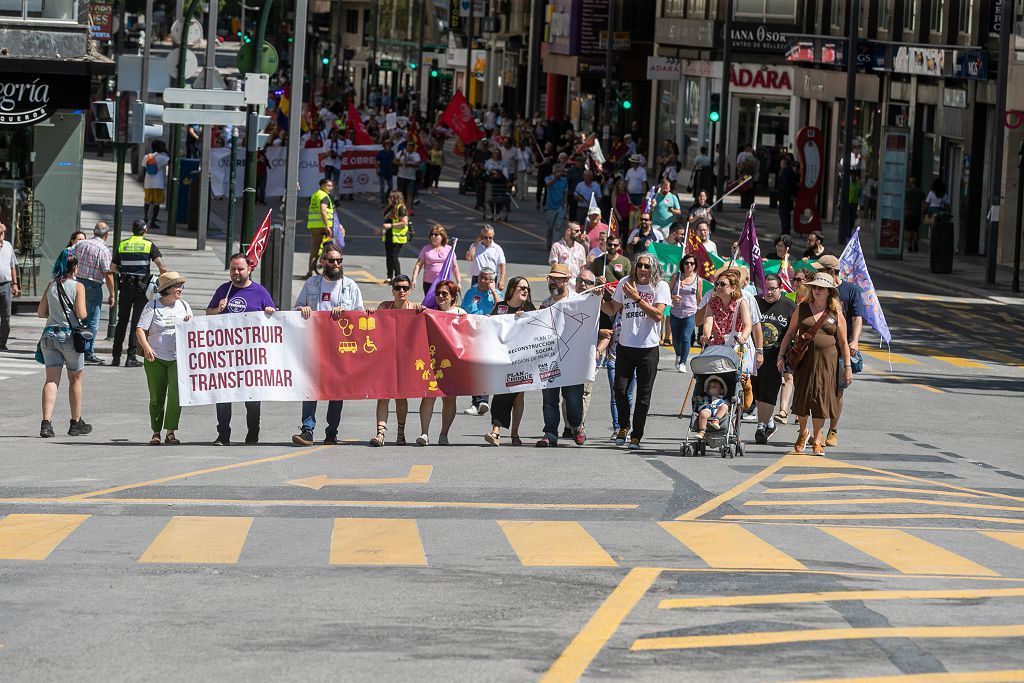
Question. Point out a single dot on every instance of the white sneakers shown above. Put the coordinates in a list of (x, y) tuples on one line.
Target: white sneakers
[(477, 410), (681, 366), (422, 440)]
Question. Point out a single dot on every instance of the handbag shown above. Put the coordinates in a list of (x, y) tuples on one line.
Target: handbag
[(798, 349), (79, 335)]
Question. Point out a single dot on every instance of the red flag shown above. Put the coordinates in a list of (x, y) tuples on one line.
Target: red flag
[(459, 117), (787, 284), (705, 266), (414, 136), (259, 243), (355, 122)]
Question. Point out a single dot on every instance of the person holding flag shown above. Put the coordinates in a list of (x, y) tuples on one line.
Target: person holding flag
[(685, 288), (319, 221), (436, 261)]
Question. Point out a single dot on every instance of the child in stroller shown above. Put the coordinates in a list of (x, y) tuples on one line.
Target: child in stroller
[(500, 195), (715, 415), (713, 407)]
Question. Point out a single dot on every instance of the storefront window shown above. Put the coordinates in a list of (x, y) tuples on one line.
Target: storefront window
[(938, 11), (673, 9), (910, 15), (766, 10), (668, 98), (53, 10)]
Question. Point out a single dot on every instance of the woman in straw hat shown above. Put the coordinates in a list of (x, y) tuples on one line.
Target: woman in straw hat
[(816, 387), (156, 335)]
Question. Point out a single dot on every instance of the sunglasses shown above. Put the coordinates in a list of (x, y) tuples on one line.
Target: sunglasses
[(436, 234), (642, 266), (442, 294), (613, 244), (523, 288), (401, 288), (487, 237), (585, 283), (645, 220), (692, 264), (333, 260), (178, 287), (721, 285)]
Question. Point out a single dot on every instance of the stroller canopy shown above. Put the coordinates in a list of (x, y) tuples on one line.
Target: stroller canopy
[(715, 360)]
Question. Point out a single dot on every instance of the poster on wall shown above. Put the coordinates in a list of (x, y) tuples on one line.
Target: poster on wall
[(810, 150), (892, 190)]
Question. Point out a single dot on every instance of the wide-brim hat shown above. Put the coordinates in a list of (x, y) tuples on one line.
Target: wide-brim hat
[(823, 280), (559, 270), (827, 261), (634, 158), (169, 279)]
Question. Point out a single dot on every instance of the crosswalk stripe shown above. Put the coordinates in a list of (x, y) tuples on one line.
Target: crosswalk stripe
[(555, 544), (888, 357), (955, 361), (371, 541), (199, 540), (729, 546), (1000, 357), (907, 553), (16, 373), (1014, 538), (33, 537)]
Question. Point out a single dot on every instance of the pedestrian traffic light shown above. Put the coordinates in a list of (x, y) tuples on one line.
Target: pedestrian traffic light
[(412, 65), (138, 130), (626, 104), (103, 120), (255, 135), (325, 60), (713, 115), (434, 73)]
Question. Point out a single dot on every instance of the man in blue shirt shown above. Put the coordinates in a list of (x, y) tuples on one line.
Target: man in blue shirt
[(385, 157), (852, 301), (480, 299), (665, 207), (554, 206)]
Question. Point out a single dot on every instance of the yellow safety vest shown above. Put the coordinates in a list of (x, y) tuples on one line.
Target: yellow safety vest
[(314, 221), (399, 235), (134, 255)]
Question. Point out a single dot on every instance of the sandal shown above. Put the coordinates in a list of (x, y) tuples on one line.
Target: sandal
[(400, 435), (171, 439), (378, 439), (782, 416), (714, 423), (801, 441), (818, 448), (492, 438), (516, 441), (699, 435), (155, 439)]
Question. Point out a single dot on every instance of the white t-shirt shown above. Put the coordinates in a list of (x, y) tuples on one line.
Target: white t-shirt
[(160, 321), (710, 246), (411, 161), (158, 180), (639, 330), (635, 179), (491, 257)]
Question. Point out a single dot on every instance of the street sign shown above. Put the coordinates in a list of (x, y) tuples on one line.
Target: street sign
[(385, 65), (217, 80), (191, 63), (209, 98), (245, 60), (195, 33), (257, 89), (205, 117)]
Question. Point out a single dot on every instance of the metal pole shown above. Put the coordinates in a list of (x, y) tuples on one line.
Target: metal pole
[(724, 104), (1015, 282), (249, 199), (533, 52), (146, 45), (469, 51), (608, 67), (992, 243), (204, 165), (172, 181), (418, 73), (374, 68), (291, 196), (119, 153), (845, 219), (229, 237)]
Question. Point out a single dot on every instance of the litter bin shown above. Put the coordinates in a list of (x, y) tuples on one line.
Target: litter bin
[(193, 201), (187, 170), (941, 244)]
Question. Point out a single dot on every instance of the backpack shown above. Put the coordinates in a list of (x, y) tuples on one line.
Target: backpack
[(151, 166)]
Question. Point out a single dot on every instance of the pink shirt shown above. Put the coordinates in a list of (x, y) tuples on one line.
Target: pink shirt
[(432, 260), (595, 234)]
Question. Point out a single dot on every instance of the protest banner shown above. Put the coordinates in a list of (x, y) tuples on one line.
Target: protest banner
[(389, 354), (358, 170)]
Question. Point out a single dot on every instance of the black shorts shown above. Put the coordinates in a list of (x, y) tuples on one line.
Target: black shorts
[(768, 381)]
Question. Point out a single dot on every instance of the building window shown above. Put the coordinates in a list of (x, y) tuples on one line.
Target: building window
[(367, 20), (885, 15), (45, 10), (909, 15), (697, 9), (938, 10), (837, 14), (351, 21), (966, 16), (673, 9), (766, 10)]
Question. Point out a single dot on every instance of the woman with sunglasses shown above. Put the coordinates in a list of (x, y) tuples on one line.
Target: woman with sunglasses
[(395, 232), (446, 294), (685, 288), (156, 335), (507, 409), (401, 286), (728, 319), (432, 257)]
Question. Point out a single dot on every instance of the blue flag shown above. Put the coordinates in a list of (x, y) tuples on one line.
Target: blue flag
[(337, 234), (447, 268), (853, 268)]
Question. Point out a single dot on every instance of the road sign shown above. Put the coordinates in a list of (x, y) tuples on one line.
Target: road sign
[(217, 80), (195, 32), (385, 65), (205, 117), (191, 63), (138, 129), (246, 59), (209, 98)]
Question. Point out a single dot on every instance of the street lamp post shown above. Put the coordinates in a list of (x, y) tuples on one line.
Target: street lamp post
[(249, 198), (608, 66), (992, 243), (724, 104), (172, 182), (845, 219)]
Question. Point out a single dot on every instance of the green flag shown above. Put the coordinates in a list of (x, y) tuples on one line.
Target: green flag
[(668, 255)]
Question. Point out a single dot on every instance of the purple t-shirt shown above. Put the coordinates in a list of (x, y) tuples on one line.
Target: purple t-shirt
[(249, 299)]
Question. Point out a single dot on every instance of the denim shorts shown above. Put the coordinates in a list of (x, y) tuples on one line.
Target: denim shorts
[(59, 350)]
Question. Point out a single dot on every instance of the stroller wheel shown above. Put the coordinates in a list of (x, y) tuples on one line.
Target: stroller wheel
[(740, 450), (686, 450)]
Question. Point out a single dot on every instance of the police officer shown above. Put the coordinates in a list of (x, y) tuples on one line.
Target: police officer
[(319, 221), (131, 262)]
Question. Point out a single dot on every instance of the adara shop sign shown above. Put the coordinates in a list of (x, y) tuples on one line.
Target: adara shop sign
[(751, 78)]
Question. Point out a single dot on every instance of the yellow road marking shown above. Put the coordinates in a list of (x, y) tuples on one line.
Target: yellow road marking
[(721, 498), (823, 634), (377, 542), (1002, 676), (889, 357), (194, 473), (902, 380), (483, 505), (729, 546), (554, 544), (576, 657), (33, 537), (887, 501), (905, 552), (418, 474), (893, 515), (1014, 538), (836, 475), (838, 596), (1000, 358), (199, 540), (865, 487), (955, 361)]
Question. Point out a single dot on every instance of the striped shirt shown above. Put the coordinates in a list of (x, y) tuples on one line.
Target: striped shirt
[(93, 259)]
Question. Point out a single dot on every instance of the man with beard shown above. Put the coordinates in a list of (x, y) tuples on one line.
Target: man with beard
[(239, 295), (336, 293), (558, 286), (776, 311)]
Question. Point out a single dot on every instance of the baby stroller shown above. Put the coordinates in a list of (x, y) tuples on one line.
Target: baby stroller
[(722, 362), (500, 195)]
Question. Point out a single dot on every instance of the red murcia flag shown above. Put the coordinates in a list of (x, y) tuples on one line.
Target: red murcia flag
[(259, 243), (459, 117), (705, 266), (355, 122)]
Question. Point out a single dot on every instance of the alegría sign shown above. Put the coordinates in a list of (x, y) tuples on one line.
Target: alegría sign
[(24, 100)]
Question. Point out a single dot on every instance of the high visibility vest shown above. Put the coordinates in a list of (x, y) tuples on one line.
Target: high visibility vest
[(314, 221), (134, 255), (399, 234)]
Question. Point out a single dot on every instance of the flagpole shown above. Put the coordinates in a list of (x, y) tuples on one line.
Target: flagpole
[(746, 179)]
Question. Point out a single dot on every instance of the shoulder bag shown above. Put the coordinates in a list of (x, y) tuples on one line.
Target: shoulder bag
[(798, 348), (79, 335)]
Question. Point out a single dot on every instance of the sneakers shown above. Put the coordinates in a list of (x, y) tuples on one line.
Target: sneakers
[(634, 443), (580, 436), (132, 362), (222, 441), (79, 428), (759, 435), (750, 417), (303, 438), (770, 430), (681, 366), (832, 439), (477, 410), (483, 408), (620, 437), (546, 442), (46, 429), (94, 360), (422, 440)]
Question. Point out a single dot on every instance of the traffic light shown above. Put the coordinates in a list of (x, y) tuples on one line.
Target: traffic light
[(103, 120), (325, 60), (434, 73), (626, 104), (255, 137), (138, 130), (413, 65), (713, 112)]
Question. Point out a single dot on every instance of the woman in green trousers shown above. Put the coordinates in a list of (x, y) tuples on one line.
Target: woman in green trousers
[(155, 333)]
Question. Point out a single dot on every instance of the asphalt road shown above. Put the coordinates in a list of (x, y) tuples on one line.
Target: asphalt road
[(898, 555)]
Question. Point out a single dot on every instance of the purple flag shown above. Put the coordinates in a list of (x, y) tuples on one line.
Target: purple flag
[(750, 250), (853, 268), (429, 301), (337, 236)]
